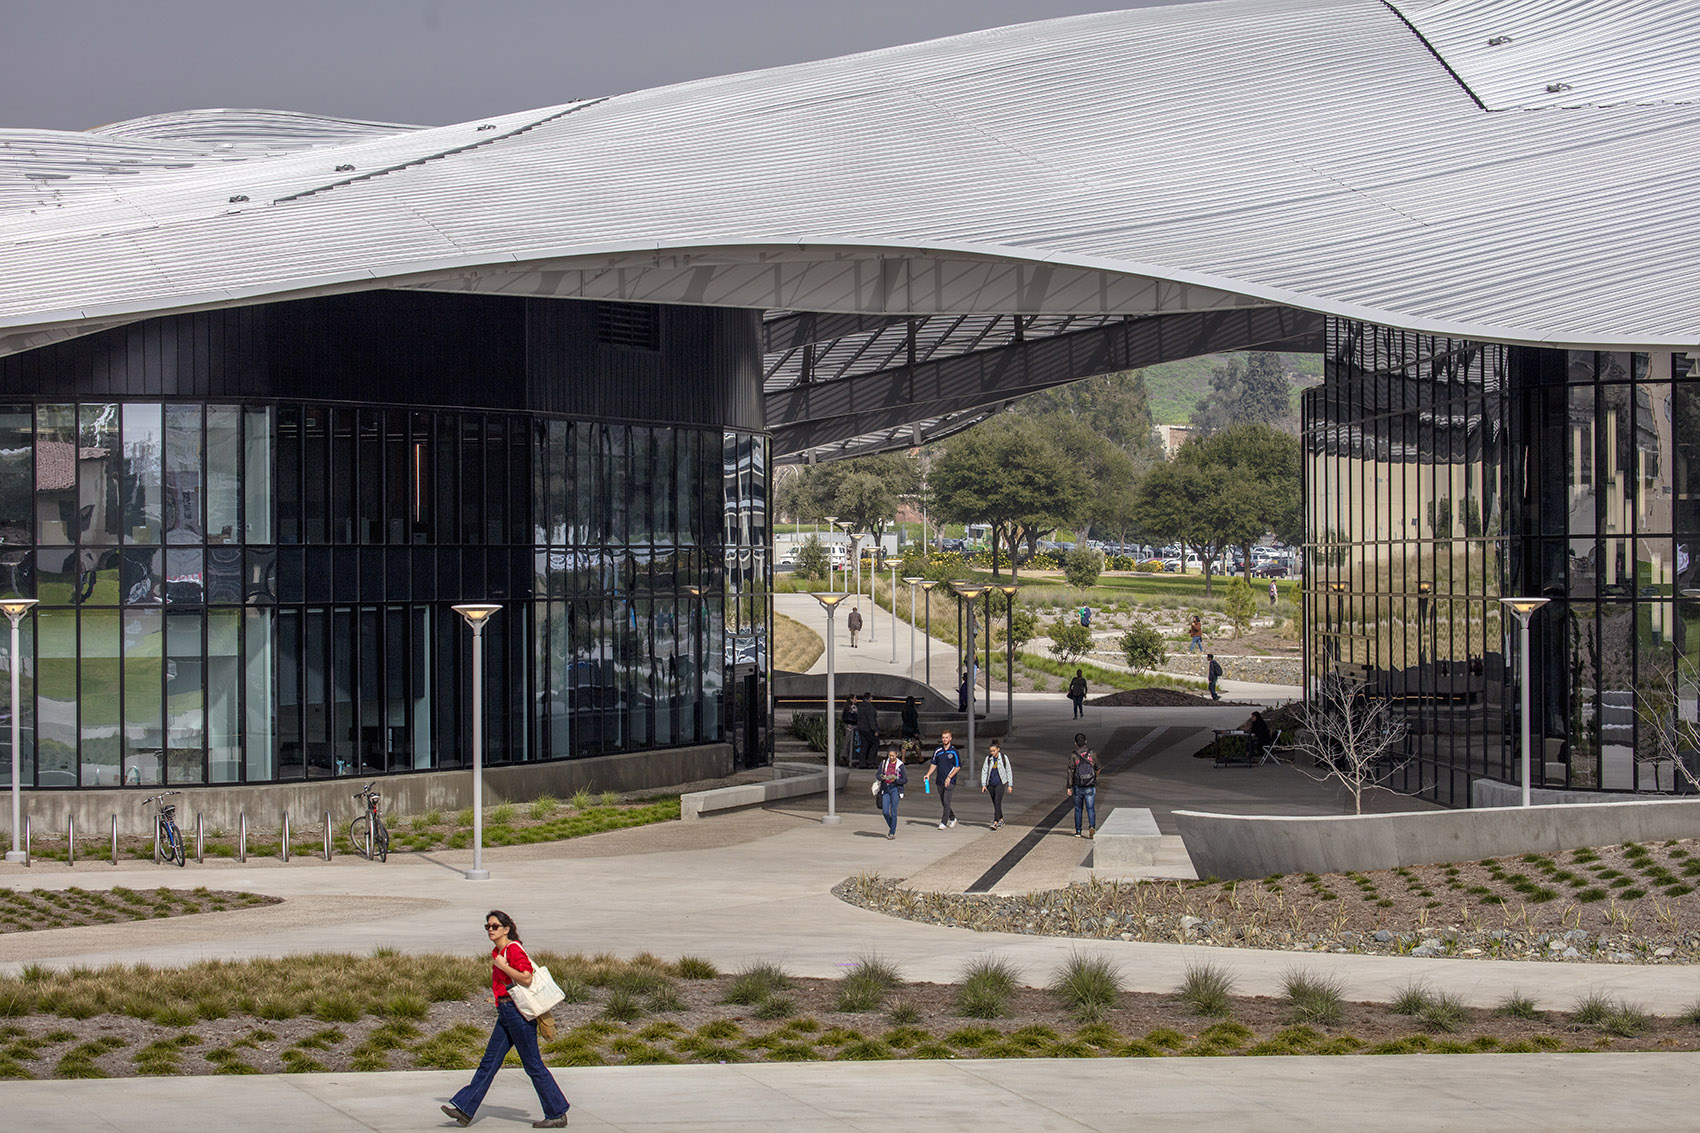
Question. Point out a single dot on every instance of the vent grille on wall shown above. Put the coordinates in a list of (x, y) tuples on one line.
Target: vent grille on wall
[(636, 325)]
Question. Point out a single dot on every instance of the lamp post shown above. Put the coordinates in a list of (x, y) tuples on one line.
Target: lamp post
[(831, 818), (1525, 609), (894, 619), (476, 614), (1008, 590), (927, 585), (913, 580), (873, 601), (831, 578), (970, 591), (15, 609)]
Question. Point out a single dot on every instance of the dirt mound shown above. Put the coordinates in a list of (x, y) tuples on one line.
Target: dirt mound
[(1159, 698)]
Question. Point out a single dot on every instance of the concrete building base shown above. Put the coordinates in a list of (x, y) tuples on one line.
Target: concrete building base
[(412, 793)]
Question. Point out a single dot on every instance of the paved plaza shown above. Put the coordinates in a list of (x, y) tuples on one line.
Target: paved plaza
[(757, 884)]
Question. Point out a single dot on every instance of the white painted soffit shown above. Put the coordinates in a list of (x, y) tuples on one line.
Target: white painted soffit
[(1543, 54)]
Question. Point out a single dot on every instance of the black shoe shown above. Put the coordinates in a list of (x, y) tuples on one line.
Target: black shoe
[(458, 1115)]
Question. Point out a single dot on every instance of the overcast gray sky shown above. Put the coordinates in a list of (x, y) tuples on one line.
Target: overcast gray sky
[(72, 64)]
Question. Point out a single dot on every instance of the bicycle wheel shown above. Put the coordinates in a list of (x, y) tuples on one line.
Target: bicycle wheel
[(357, 835), (381, 842), (173, 846)]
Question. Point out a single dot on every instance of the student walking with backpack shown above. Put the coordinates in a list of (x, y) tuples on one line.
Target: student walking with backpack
[(996, 777), (1083, 785), (947, 764), (1215, 672)]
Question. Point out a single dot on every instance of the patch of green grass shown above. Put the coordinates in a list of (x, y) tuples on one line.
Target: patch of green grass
[(695, 968), (1516, 1005), (1413, 999), (864, 987), (775, 1007), (623, 1006), (1444, 1013), (1592, 1009), (457, 1048), (501, 815), (755, 982), (865, 1050), (543, 807), (1314, 999), (972, 1038), (1207, 989), (904, 1014)]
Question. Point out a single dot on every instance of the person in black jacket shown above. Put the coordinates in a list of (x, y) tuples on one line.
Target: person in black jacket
[(1077, 693), (867, 731), (1215, 672), (892, 776)]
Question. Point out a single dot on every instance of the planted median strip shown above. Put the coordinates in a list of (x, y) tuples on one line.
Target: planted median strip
[(385, 1011)]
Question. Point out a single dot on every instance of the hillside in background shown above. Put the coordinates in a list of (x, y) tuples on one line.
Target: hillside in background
[(1175, 387)]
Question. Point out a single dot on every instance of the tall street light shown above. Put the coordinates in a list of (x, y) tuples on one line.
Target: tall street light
[(476, 614), (927, 585), (831, 578), (831, 818), (913, 580), (15, 609), (1525, 609), (873, 601), (970, 591), (1008, 590), (894, 619)]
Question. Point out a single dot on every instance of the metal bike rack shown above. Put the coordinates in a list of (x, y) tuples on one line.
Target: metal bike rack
[(115, 839), (70, 839), (27, 840), (200, 838), (156, 839), (327, 835), (286, 835), (242, 836)]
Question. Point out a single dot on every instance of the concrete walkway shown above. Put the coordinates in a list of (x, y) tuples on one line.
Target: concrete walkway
[(1496, 1091)]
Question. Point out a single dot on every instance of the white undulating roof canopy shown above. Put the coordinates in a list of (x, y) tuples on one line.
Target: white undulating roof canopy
[(1384, 161)]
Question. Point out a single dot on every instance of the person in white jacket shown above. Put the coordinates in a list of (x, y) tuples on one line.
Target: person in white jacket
[(996, 776)]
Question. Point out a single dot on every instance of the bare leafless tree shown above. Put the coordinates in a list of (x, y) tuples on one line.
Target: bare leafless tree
[(1349, 737), (1665, 734)]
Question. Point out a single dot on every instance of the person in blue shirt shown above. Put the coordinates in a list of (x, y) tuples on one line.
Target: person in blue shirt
[(996, 777), (947, 765)]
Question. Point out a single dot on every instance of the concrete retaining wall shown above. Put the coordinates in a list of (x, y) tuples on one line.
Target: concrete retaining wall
[(411, 793), (1491, 792), (1230, 846), (741, 795)]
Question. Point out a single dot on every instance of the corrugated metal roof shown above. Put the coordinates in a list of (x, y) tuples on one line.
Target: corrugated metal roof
[(1311, 153)]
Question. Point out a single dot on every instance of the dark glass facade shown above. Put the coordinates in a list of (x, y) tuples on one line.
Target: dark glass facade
[(1442, 475), (258, 588)]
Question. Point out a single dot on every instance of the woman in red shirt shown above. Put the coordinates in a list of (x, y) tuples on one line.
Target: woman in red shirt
[(509, 965)]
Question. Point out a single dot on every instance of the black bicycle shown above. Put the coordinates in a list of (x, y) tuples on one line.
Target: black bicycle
[(370, 836), (169, 838)]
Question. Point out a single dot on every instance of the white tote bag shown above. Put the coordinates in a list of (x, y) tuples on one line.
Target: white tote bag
[(541, 997)]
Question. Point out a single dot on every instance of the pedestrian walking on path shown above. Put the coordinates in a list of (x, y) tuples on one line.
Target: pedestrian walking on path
[(509, 965), (1083, 785), (996, 777), (1077, 693), (947, 764), (962, 691), (853, 623), (1195, 629), (1215, 674), (890, 780), (1274, 592)]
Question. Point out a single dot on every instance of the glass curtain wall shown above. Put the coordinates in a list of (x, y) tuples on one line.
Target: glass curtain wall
[(1441, 475), (249, 593)]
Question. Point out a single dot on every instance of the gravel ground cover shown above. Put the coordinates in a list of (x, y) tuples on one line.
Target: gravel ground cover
[(26, 911), (384, 1011), (1631, 904)]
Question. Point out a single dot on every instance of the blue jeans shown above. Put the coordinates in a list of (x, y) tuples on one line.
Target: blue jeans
[(1086, 797), (888, 807), (1197, 645), (516, 1031)]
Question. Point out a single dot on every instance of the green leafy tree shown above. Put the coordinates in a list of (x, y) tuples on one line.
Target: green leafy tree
[(1239, 605), (1070, 640), (1143, 647), (1255, 391), (1008, 473), (863, 492), (1082, 566), (812, 559)]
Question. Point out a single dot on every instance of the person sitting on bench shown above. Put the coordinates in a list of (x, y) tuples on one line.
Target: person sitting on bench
[(1259, 739)]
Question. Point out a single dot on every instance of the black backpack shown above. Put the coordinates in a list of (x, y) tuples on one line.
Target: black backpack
[(1086, 771)]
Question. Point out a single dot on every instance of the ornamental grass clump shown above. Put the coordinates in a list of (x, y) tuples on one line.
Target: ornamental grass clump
[(1517, 1005), (1208, 990), (1314, 999), (1089, 987), (865, 986), (755, 982), (985, 989), (1444, 1013)]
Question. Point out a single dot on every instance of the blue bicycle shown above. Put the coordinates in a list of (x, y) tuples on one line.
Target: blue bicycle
[(168, 838)]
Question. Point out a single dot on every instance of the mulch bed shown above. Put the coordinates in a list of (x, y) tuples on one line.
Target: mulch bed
[(1619, 904), (698, 1026)]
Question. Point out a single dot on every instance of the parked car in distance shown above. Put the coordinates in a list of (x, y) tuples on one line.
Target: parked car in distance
[(1271, 568)]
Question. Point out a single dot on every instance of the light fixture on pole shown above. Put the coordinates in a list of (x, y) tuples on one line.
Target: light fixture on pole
[(15, 609), (894, 617), (476, 614), (831, 577), (970, 591), (1525, 609), (913, 580), (831, 818), (927, 585), (873, 603), (1008, 590)]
